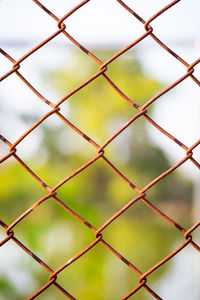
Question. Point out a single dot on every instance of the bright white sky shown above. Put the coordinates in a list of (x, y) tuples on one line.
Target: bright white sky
[(104, 23)]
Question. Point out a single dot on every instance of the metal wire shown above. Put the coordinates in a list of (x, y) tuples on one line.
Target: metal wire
[(142, 113)]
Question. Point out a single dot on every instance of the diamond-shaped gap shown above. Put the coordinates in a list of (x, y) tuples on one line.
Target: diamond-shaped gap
[(129, 73), (181, 274), (61, 151), (96, 194), (96, 107), (37, 66), (173, 196), (21, 108), (139, 75), (133, 152), (97, 31), (154, 59), (142, 236), (53, 233), (53, 75), (21, 275), (173, 192), (98, 274), (38, 26)]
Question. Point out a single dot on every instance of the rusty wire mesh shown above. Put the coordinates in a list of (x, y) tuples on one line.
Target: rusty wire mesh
[(142, 113)]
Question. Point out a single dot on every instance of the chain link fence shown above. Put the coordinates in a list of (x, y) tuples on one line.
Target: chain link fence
[(142, 112)]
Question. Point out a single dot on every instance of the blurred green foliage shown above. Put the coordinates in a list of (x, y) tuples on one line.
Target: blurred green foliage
[(95, 194)]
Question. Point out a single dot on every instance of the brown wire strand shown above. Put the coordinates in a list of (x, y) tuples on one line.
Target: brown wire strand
[(101, 149)]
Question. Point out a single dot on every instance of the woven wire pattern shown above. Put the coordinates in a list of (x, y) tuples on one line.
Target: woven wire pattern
[(142, 112)]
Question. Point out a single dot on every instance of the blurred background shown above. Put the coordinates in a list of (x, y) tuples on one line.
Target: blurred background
[(142, 153)]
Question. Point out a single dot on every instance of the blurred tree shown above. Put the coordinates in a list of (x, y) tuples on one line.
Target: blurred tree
[(97, 193)]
